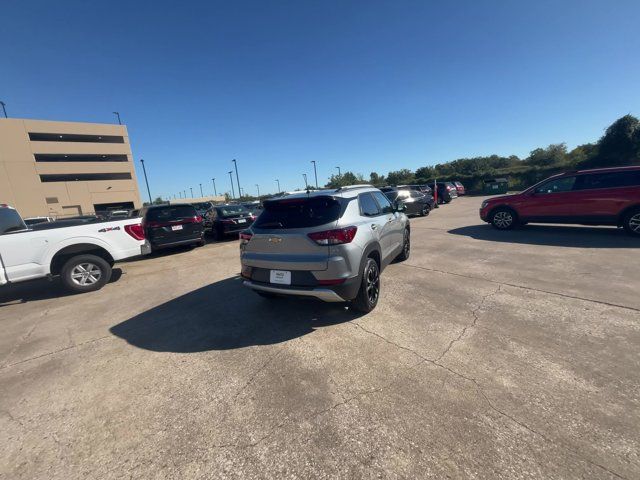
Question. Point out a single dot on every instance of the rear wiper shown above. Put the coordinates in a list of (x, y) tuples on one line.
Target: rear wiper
[(272, 224)]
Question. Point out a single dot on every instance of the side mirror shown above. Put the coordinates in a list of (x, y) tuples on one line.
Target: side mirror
[(399, 206)]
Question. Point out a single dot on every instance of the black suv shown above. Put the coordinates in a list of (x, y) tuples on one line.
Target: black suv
[(172, 225)]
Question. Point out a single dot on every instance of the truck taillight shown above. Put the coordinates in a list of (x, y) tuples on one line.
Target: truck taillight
[(334, 237), (135, 230), (245, 237)]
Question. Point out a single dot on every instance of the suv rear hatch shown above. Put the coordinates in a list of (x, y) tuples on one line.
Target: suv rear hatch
[(175, 223), (281, 239)]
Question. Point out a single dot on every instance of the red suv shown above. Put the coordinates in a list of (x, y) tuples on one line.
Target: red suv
[(605, 196)]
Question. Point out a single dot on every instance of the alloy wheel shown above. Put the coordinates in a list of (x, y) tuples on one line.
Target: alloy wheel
[(85, 274), (634, 223), (503, 219), (373, 284)]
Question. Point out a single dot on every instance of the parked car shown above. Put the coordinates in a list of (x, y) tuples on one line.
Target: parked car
[(426, 189), (460, 188), (202, 207), (605, 196), (118, 214), (416, 203), (172, 225), (451, 188), (444, 194), (36, 220), (82, 254), (223, 220), (253, 207), (329, 244)]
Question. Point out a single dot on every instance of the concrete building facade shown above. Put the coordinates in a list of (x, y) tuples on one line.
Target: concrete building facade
[(62, 169)]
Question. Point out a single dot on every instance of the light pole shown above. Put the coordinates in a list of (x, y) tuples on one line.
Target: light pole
[(201, 194), (4, 109), (258, 187), (315, 172), (339, 173), (278, 182), (191, 188), (304, 175), (117, 114), (144, 170), (215, 192), (235, 164), (184, 192), (233, 193), (180, 193)]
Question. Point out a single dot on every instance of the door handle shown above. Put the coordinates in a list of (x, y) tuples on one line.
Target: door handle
[(374, 226)]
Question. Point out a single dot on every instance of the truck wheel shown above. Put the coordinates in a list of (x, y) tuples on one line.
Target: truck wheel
[(632, 223), (85, 273), (369, 291)]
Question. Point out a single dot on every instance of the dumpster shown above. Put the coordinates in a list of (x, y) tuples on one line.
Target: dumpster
[(495, 186)]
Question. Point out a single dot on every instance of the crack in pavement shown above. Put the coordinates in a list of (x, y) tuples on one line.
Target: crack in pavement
[(474, 312), (506, 284)]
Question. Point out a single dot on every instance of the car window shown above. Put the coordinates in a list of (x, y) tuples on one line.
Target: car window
[(385, 204), (298, 213), (232, 210), (611, 180), (415, 194), (177, 212), (403, 194), (10, 221), (368, 206), (564, 184)]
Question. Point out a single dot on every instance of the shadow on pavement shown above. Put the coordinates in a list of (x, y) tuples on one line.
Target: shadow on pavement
[(226, 315), (41, 289), (553, 235)]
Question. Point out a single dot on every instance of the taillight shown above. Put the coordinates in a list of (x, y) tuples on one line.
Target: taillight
[(333, 281), (198, 219), (245, 237), (136, 231), (334, 237)]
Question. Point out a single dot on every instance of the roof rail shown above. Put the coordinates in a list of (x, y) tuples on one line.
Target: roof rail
[(353, 187)]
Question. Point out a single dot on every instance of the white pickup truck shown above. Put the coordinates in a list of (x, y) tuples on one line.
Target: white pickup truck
[(80, 252)]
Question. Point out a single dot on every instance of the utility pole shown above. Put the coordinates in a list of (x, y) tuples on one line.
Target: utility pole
[(304, 175), (237, 178), (117, 114), (215, 192), (278, 182), (144, 170), (233, 193), (258, 187), (4, 109), (201, 194), (315, 172)]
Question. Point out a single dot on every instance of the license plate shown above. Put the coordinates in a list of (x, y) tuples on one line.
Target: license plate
[(176, 227), (242, 220), (281, 277)]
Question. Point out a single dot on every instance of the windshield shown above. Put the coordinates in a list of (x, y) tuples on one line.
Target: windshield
[(232, 211), (177, 212), (298, 213), (10, 221)]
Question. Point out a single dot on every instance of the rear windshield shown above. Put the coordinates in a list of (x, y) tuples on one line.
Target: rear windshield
[(232, 211), (10, 221), (177, 212), (298, 213)]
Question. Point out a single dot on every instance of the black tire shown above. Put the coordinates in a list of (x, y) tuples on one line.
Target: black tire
[(85, 273), (503, 218), (201, 243), (425, 211), (406, 247), (215, 234), (631, 222), (369, 291)]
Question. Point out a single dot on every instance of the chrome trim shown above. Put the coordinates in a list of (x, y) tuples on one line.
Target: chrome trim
[(323, 294)]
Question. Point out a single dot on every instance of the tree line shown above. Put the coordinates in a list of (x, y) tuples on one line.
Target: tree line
[(620, 145)]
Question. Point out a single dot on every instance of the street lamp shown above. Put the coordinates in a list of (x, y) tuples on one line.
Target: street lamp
[(231, 178), (258, 187), (144, 170), (278, 182), (235, 164), (201, 194), (339, 173), (4, 109), (304, 175), (191, 188), (315, 172), (117, 114), (215, 192)]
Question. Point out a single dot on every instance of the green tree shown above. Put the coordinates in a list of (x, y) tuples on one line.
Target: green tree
[(554, 154), (347, 178), (400, 177), (376, 179)]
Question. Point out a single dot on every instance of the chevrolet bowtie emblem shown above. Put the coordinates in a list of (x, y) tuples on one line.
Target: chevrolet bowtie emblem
[(275, 239)]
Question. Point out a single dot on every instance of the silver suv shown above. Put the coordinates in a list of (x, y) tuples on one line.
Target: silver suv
[(327, 244)]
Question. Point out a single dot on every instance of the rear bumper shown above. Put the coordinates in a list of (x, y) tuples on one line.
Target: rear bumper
[(324, 294), (177, 243)]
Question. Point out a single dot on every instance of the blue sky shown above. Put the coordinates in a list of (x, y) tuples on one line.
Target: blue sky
[(369, 86)]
